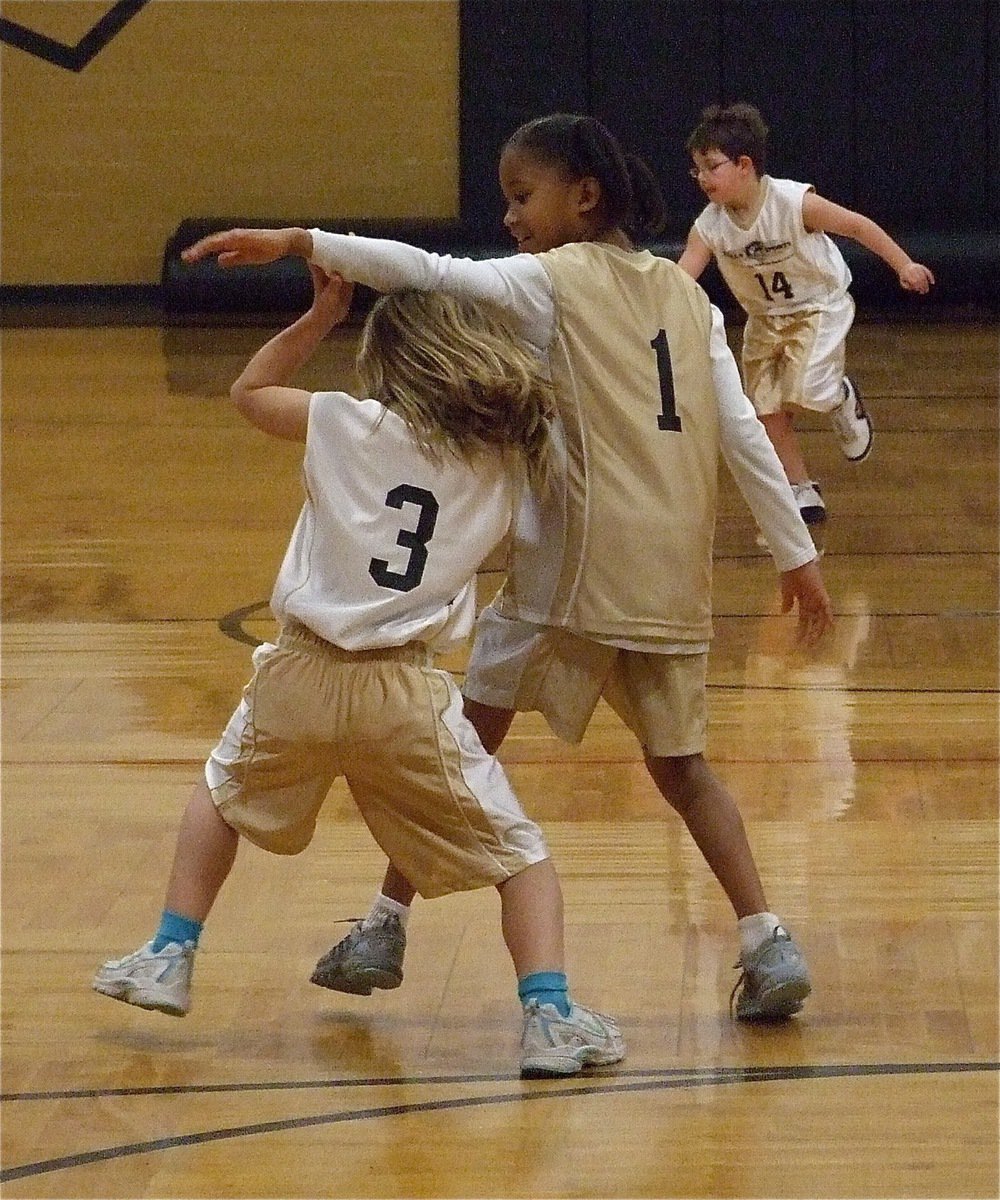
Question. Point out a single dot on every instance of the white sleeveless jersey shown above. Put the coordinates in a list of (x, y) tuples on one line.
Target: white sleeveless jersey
[(775, 266), (388, 542)]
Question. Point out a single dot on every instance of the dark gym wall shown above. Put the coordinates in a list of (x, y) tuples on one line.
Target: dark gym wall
[(890, 106)]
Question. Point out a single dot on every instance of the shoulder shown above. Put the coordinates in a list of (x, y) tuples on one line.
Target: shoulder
[(707, 221), (788, 190)]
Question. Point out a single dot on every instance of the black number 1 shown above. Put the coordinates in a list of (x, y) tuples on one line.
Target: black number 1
[(668, 418)]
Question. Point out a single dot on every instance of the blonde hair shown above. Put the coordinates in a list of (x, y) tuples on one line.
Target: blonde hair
[(455, 373)]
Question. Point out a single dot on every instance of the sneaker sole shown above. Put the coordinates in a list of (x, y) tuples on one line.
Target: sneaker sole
[(783, 1000), (559, 1067), (139, 999), (360, 983)]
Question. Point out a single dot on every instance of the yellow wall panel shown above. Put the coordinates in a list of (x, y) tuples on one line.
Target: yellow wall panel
[(243, 108)]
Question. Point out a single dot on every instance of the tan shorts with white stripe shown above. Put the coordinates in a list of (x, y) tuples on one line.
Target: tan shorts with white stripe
[(389, 722), (797, 359), (562, 675)]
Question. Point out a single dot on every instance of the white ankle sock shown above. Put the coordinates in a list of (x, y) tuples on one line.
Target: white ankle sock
[(385, 906), (755, 930)]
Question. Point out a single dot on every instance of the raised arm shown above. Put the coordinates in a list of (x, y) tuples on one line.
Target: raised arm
[(517, 284), (820, 214), (261, 393)]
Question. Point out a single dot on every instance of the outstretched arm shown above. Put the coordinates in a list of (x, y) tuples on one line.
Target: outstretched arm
[(696, 255), (261, 393), (517, 284), (250, 247), (819, 214)]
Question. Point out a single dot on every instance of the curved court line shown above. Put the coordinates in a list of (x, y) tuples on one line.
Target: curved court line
[(696, 1077)]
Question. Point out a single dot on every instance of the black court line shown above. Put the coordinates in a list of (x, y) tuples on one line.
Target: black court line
[(649, 1081), (59, 54)]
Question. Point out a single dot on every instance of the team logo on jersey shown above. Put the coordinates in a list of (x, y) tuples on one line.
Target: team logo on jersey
[(758, 252)]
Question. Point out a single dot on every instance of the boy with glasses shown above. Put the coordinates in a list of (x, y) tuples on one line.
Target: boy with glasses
[(769, 239)]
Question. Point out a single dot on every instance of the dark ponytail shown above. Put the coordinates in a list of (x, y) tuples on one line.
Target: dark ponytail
[(582, 146), (647, 215)]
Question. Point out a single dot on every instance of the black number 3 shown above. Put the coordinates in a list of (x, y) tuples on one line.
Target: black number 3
[(415, 540)]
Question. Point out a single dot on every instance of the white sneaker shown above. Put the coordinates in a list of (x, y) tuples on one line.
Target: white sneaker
[(852, 424), (160, 981), (554, 1045), (810, 501)]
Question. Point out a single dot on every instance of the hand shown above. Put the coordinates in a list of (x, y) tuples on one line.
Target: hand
[(331, 296), (805, 585), (249, 247), (915, 277)]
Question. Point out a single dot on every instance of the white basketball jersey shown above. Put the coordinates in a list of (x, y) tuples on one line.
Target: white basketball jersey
[(387, 544), (776, 265)]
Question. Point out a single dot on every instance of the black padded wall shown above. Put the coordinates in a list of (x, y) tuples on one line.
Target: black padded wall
[(654, 67), (921, 111), (795, 62), (517, 60), (891, 106)]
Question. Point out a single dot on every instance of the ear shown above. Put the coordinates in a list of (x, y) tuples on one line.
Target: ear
[(588, 194)]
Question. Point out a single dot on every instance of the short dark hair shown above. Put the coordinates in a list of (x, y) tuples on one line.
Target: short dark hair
[(736, 129)]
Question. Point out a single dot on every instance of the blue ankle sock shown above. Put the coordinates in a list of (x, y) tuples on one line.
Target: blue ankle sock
[(547, 987), (175, 928)]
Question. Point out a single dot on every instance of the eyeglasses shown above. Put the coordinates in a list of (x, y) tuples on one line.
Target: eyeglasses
[(709, 169)]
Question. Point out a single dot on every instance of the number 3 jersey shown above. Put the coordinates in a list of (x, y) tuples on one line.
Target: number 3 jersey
[(387, 544), (775, 265)]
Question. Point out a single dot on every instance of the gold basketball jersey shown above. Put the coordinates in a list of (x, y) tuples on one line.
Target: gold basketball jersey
[(625, 544)]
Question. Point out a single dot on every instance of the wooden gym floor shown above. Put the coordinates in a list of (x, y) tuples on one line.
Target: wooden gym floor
[(142, 526)]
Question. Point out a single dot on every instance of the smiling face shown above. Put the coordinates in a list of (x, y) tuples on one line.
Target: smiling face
[(546, 209)]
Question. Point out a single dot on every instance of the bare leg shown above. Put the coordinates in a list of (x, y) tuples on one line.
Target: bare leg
[(531, 906), (204, 856), (691, 787), (397, 887), (491, 724), (781, 430)]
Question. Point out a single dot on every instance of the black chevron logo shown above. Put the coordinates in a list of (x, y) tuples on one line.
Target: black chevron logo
[(71, 58)]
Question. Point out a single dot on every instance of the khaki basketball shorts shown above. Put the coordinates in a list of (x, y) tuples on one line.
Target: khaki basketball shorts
[(392, 725), (797, 359), (538, 668)]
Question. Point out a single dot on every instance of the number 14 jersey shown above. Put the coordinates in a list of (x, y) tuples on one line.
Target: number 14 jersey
[(775, 265)]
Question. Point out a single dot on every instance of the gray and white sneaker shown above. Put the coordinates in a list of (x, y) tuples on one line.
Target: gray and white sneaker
[(852, 424), (775, 980), (810, 501), (158, 981), (366, 958), (553, 1045)]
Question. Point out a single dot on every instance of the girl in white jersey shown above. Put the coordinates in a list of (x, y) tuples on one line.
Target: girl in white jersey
[(609, 576), (406, 493), (769, 239)]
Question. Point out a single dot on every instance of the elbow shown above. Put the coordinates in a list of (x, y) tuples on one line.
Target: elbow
[(242, 400)]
